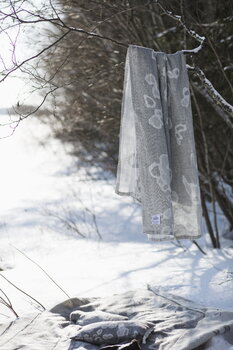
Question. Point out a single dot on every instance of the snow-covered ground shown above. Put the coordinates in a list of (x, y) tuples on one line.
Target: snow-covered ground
[(42, 193)]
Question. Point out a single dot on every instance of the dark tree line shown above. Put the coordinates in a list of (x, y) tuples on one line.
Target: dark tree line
[(84, 77)]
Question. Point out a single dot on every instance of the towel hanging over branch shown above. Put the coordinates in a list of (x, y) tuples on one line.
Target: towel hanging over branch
[(157, 159)]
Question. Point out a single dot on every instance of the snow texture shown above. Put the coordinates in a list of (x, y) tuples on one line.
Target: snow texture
[(41, 188)]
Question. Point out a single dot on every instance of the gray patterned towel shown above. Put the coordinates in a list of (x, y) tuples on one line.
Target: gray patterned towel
[(178, 324), (157, 158)]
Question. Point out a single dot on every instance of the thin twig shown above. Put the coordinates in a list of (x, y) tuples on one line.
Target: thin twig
[(34, 262), (20, 290), (35, 56), (192, 33), (206, 157), (8, 303), (174, 301)]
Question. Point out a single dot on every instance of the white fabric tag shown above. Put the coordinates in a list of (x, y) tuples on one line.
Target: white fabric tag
[(155, 219)]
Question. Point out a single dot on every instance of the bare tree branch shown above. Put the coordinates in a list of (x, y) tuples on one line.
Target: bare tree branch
[(35, 56), (215, 95)]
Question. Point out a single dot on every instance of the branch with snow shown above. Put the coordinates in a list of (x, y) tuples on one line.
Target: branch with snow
[(192, 33), (214, 94), (202, 91)]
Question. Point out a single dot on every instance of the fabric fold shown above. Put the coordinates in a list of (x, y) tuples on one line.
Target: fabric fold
[(157, 159)]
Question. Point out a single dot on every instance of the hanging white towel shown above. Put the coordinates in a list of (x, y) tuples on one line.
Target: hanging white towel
[(157, 159)]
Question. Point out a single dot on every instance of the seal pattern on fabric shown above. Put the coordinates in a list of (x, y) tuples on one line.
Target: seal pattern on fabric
[(161, 172), (149, 101), (156, 120), (173, 74), (186, 97), (179, 128)]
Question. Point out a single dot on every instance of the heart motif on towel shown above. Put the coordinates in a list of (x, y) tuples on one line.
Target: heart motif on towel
[(174, 73), (156, 119), (161, 172), (149, 101)]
